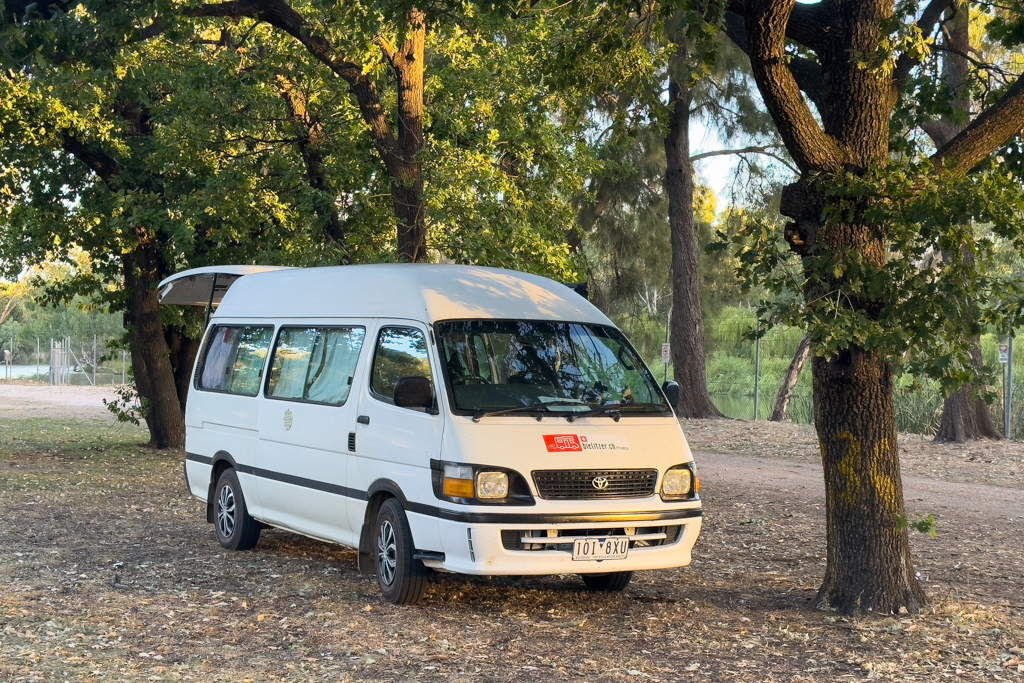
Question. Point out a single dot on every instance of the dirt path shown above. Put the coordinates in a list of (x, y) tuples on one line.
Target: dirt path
[(976, 555), (24, 400), (985, 503)]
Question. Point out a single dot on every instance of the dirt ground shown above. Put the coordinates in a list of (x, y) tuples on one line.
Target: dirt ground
[(108, 572), (21, 399)]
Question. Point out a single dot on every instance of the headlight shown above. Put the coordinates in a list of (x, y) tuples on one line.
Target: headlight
[(467, 484), (458, 481), (678, 483), (491, 485)]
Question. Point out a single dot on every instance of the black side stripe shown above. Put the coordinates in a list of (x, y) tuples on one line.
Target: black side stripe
[(469, 517), (310, 484)]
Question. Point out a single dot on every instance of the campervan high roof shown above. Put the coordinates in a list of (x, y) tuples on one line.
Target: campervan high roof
[(414, 291)]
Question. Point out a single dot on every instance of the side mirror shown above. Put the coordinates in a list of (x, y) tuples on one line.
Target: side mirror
[(414, 392), (671, 391)]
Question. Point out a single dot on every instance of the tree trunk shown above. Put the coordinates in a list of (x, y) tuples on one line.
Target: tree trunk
[(964, 418), (406, 167), (869, 568), (151, 363), (183, 351), (790, 380), (687, 321)]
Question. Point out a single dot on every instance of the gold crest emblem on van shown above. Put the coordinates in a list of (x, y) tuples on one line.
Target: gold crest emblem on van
[(288, 419)]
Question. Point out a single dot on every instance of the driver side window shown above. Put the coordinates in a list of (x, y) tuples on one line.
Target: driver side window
[(401, 352)]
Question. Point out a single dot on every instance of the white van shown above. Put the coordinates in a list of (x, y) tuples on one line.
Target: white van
[(442, 417)]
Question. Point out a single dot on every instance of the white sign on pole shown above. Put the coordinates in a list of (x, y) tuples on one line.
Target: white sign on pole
[(666, 353), (1004, 354)]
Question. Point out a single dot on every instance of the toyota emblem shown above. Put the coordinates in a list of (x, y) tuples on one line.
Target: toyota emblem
[(599, 483)]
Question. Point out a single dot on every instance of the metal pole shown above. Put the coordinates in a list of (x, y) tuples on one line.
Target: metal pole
[(94, 360), (757, 368), (209, 306), (37, 356), (124, 361), (668, 324), (1009, 387)]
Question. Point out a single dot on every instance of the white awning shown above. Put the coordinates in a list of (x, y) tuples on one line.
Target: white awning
[(193, 287)]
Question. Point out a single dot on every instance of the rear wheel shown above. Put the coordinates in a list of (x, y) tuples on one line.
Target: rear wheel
[(236, 529), (613, 581), (402, 578)]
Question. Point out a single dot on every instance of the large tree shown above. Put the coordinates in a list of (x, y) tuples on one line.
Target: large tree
[(115, 154), (657, 67), (158, 141), (867, 226)]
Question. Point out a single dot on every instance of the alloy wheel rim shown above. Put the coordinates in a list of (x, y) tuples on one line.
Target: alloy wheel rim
[(226, 511), (387, 552)]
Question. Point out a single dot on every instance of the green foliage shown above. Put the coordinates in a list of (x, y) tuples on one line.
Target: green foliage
[(926, 525), (919, 304), (128, 407)]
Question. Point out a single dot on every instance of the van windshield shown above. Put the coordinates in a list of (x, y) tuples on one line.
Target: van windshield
[(495, 365)]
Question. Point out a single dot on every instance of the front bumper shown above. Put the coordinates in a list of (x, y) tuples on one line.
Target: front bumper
[(498, 548)]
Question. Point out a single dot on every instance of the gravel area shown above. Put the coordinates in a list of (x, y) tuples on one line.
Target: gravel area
[(108, 572)]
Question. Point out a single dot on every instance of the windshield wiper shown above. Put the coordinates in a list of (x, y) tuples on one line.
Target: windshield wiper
[(614, 410), (525, 409), (610, 409)]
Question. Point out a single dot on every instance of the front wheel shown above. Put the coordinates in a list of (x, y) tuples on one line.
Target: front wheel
[(236, 529), (611, 582), (402, 578)]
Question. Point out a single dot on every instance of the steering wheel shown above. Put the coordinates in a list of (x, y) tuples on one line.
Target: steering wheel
[(471, 379)]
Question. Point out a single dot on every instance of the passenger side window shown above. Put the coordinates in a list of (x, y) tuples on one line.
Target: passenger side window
[(314, 364), (234, 359), (401, 352)]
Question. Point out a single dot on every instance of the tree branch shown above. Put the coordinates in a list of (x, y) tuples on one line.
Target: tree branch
[(985, 134), (101, 163), (806, 142), (309, 142), (931, 15), (808, 23), (743, 150), (386, 48), (281, 16), (807, 72), (765, 150)]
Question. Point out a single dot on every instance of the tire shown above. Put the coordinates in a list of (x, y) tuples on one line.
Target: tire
[(401, 578), (611, 582), (236, 529)]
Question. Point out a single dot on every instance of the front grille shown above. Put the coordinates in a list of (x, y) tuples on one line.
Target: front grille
[(512, 539), (594, 484)]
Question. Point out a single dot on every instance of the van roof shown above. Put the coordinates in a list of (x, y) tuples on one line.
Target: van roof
[(412, 291)]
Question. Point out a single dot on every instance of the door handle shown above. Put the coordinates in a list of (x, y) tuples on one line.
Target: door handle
[(363, 419)]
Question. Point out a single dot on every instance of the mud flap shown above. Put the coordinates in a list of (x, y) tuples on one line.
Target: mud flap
[(364, 561)]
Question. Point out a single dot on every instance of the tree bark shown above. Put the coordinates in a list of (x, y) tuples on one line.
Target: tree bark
[(687, 321), (183, 351), (965, 418), (151, 362), (868, 556), (790, 379)]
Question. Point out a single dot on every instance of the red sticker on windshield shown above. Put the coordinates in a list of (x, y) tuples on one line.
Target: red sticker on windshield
[(557, 443)]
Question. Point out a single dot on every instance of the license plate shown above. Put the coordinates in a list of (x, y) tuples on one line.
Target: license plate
[(600, 548)]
